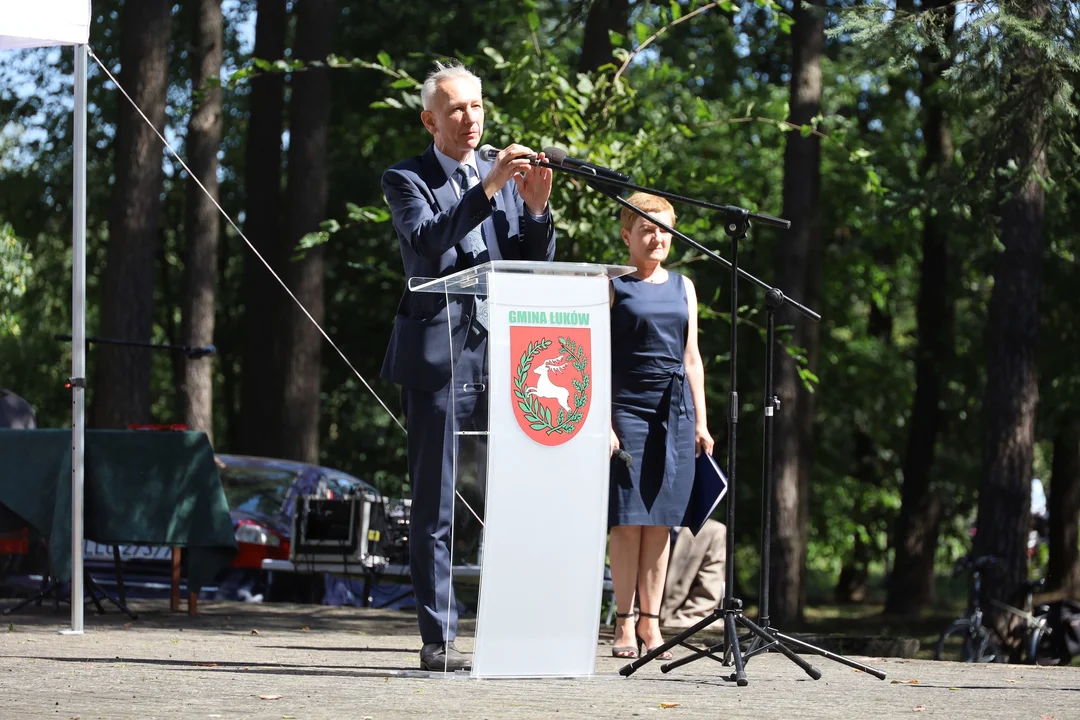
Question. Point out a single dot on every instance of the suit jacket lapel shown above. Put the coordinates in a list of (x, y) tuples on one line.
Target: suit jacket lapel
[(441, 187)]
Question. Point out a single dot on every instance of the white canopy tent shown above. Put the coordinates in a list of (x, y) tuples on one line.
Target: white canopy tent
[(42, 23)]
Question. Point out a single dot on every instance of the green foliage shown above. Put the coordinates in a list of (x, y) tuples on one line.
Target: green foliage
[(697, 103), (16, 271)]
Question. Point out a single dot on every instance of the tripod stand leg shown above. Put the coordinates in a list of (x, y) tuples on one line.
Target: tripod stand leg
[(91, 586), (709, 652), (739, 676), (628, 670), (48, 589), (765, 637), (829, 655), (93, 589)]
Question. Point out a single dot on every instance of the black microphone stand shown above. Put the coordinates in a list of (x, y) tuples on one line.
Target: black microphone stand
[(736, 225), (767, 638)]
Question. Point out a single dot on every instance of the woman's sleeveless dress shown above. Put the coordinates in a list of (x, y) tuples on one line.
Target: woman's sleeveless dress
[(652, 408)]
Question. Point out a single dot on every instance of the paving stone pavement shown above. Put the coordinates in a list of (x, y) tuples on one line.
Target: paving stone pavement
[(322, 662)]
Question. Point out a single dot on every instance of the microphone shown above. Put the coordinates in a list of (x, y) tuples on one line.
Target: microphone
[(489, 154), (621, 454), (558, 156)]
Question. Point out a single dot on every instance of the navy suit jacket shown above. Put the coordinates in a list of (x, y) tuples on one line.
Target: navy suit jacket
[(431, 221)]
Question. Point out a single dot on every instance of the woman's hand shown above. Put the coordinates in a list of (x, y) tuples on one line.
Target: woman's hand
[(702, 440), (614, 443)]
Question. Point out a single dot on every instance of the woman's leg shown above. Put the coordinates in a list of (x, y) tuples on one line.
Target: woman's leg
[(652, 571), (623, 554)]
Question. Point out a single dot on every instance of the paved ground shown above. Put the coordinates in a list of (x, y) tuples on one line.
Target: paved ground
[(323, 662)]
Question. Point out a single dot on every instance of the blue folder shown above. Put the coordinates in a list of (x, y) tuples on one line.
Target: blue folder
[(710, 486)]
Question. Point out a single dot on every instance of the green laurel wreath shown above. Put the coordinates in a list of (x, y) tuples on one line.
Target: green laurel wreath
[(539, 416)]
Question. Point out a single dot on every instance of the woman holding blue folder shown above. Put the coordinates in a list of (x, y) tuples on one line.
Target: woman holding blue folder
[(658, 417)]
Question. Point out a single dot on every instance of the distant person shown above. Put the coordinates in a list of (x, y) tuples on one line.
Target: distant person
[(15, 412), (657, 416), (452, 210), (695, 576)]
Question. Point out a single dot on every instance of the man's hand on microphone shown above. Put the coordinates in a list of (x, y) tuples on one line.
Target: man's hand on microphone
[(535, 187), (510, 161)]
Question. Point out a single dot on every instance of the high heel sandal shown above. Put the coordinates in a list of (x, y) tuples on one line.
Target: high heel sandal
[(625, 652), (666, 655)]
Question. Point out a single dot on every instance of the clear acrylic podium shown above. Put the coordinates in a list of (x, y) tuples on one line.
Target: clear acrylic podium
[(535, 466)]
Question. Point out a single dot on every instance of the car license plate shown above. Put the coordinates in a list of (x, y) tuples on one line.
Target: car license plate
[(97, 551)]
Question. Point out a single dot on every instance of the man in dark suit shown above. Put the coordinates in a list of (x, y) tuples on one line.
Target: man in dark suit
[(452, 210)]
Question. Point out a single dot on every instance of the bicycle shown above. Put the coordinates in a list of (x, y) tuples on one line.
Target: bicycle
[(979, 643)]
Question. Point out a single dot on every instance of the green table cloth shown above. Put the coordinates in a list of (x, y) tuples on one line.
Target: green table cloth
[(141, 487)]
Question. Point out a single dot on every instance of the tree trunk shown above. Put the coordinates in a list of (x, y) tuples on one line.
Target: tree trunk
[(797, 267), (604, 16), (1064, 506), (911, 584), (262, 298), (122, 383), (200, 258), (305, 206), (1012, 388)]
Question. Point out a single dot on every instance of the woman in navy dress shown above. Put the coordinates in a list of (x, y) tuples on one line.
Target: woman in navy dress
[(658, 417)]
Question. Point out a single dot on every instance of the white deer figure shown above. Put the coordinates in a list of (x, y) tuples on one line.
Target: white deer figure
[(547, 389)]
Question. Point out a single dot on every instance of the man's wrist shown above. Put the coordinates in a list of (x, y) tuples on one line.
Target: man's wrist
[(542, 215)]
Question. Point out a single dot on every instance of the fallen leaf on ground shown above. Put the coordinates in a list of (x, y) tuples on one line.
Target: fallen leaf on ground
[(912, 682), (1010, 681), (305, 628), (918, 708), (1046, 717), (254, 631), (669, 705), (207, 664), (269, 697)]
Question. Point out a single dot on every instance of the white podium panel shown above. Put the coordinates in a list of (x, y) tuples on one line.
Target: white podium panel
[(543, 459), (542, 573)]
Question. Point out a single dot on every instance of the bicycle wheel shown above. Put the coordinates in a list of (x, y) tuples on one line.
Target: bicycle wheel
[(1043, 648), (963, 641)]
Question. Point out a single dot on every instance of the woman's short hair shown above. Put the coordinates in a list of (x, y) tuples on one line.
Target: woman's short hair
[(444, 71), (649, 203)]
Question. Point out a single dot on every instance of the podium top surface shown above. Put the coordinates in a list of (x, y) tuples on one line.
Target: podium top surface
[(474, 281)]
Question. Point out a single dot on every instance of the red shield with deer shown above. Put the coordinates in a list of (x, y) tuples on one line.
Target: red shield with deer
[(552, 384)]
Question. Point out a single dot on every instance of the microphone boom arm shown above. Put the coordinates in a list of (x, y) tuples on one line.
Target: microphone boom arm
[(734, 214), (587, 175)]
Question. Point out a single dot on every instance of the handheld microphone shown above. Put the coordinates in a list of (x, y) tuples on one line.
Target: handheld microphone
[(621, 454), (489, 154), (558, 156)]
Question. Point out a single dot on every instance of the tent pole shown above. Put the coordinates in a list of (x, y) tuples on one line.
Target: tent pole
[(78, 342)]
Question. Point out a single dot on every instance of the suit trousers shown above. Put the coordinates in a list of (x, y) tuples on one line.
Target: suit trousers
[(432, 448)]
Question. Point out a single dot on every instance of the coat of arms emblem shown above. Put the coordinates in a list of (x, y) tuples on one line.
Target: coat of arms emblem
[(551, 381)]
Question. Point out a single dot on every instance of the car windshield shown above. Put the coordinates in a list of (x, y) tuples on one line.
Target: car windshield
[(256, 489)]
